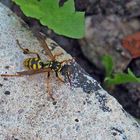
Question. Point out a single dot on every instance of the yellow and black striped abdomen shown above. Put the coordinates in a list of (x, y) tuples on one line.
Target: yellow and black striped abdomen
[(33, 63)]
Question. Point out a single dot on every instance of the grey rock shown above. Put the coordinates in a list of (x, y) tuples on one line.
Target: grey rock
[(83, 111)]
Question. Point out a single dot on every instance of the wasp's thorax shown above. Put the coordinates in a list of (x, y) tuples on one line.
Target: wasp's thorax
[(54, 65)]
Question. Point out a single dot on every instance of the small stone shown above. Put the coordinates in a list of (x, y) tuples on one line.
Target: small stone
[(1, 85), (7, 92), (76, 120), (7, 67), (54, 103), (5, 79)]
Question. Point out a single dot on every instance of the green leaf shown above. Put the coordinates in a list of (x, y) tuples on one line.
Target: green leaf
[(63, 20), (122, 78), (108, 64)]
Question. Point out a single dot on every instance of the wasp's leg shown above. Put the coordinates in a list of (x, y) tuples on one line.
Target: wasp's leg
[(58, 75), (10, 75), (68, 73), (27, 51), (48, 87)]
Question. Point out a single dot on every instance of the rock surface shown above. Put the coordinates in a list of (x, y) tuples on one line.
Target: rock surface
[(82, 111)]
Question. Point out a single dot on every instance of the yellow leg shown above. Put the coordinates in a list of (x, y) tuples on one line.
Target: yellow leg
[(58, 75), (48, 87)]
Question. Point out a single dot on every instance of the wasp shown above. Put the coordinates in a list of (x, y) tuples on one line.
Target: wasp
[(35, 65)]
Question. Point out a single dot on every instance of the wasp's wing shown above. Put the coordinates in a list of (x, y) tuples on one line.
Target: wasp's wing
[(31, 72), (44, 45), (28, 72)]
